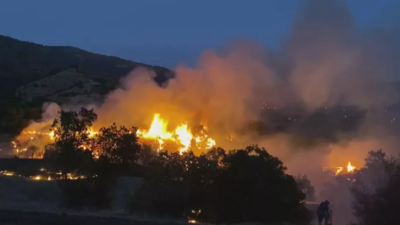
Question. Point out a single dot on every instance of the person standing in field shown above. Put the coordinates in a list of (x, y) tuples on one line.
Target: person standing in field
[(323, 213)]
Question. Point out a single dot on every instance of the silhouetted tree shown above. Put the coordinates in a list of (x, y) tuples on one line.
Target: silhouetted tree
[(120, 145), (33, 150), (70, 155), (175, 184), (147, 154), (243, 185), (71, 132), (216, 154), (97, 159), (304, 184), (253, 186), (377, 190)]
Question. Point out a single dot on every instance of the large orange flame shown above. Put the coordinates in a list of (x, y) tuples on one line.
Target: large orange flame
[(158, 131), (182, 135)]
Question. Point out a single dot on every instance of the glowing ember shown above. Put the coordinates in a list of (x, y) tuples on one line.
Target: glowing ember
[(7, 173)]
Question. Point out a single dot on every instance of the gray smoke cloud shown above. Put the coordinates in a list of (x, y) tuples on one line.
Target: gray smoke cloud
[(328, 91), (328, 97)]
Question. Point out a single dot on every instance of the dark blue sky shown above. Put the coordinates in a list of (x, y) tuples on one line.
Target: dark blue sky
[(161, 32)]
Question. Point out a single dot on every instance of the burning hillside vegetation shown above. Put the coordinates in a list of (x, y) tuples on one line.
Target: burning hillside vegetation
[(336, 171), (326, 97), (31, 144)]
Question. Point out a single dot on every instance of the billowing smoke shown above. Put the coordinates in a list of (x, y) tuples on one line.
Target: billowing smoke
[(330, 87), (326, 98)]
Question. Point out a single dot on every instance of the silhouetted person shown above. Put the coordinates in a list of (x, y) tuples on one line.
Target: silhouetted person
[(323, 212)]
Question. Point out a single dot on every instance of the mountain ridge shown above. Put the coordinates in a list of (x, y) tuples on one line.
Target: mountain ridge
[(25, 65)]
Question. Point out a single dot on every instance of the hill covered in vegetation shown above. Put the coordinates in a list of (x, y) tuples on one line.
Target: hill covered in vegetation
[(31, 74), (39, 71)]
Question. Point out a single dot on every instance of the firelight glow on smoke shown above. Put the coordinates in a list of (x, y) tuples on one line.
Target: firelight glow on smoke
[(326, 96)]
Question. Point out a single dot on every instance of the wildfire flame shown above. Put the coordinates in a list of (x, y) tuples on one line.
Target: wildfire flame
[(350, 168), (182, 135), (338, 170), (29, 138), (158, 132), (51, 135)]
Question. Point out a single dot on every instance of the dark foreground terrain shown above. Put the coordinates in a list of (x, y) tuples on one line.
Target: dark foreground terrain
[(19, 217), (25, 201)]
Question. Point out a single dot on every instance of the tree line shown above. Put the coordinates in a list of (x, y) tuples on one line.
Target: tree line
[(215, 187)]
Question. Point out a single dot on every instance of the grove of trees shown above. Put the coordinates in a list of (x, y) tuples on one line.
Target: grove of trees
[(376, 192), (215, 187)]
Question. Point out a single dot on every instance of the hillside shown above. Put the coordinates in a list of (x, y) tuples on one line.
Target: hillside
[(55, 73)]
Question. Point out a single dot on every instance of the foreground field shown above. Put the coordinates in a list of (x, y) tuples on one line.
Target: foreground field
[(28, 202), (20, 217), (21, 193)]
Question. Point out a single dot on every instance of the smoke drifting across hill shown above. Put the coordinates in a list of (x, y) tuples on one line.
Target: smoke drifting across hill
[(327, 89), (322, 100)]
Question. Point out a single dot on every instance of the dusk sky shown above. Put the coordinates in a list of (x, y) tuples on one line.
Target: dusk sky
[(163, 32)]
